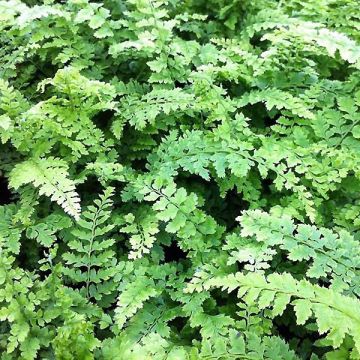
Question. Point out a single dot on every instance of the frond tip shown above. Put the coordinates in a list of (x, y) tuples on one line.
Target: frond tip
[(50, 177)]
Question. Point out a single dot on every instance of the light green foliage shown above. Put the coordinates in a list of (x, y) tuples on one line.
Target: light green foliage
[(329, 254), (9, 233), (179, 179), (147, 109), (44, 231), (143, 229), (251, 346), (75, 339), (133, 298), (330, 309), (198, 152), (179, 211), (50, 176), (278, 99), (90, 260)]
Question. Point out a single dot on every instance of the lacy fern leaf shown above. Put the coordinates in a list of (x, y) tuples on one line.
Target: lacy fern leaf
[(179, 180), (90, 261), (330, 309), (50, 177)]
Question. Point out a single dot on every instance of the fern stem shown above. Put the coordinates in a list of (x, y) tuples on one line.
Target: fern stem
[(88, 270)]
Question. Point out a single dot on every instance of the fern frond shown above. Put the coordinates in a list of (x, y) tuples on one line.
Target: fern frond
[(133, 297), (278, 99), (246, 346), (179, 210), (9, 232), (91, 261), (50, 177), (142, 228), (44, 231), (201, 153), (142, 111), (329, 254), (336, 315), (12, 102)]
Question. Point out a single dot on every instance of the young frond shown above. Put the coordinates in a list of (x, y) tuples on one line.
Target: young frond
[(50, 176), (90, 261)]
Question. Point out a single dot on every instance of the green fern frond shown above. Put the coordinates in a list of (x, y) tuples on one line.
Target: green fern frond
[(330, 309), (50, 177), (90, 260), (329, 254)]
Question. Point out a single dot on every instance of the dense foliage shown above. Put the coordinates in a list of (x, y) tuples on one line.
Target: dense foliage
[(180, 179)]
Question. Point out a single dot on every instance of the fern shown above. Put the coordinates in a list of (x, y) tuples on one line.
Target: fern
[(198, 153), (151, 105), (237, 346), (44, 232), (50, 176), (90, 261), (179, 179), (179, 211), (10, 233), (330, 309), (140, 284), (133, 297), (329, 254), (275, 98), (142, 230)]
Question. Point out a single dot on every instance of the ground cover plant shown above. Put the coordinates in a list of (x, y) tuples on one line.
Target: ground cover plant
[(180, 179)]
